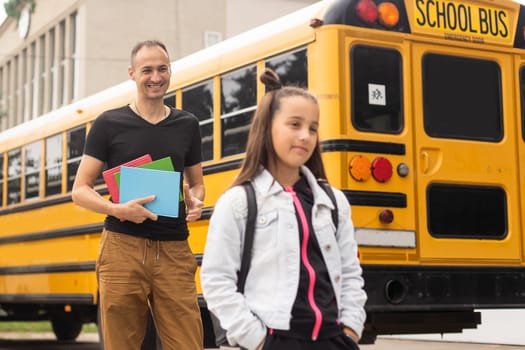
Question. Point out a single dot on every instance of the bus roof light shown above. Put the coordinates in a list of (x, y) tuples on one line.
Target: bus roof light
[(388, 14), (366, 11), (316, 22)]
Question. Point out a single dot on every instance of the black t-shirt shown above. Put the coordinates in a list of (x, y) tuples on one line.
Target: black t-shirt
[(119, 135)]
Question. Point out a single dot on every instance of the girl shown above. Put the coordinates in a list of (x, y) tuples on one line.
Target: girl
[(304, 289)]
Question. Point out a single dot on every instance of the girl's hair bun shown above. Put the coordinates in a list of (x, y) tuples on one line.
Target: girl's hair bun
[(271, 80)]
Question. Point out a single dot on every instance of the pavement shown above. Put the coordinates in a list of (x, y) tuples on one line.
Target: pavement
[(382, 343)]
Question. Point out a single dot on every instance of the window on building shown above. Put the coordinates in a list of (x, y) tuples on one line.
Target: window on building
[(1, 179), (238, 102), (3, 110), (61, 62), (26, 82), (53, 180), (53, 71), (212, 38), (35, 93), (198, 100), (8, 100), (32, 156), (17, 91), (74, 65), (43, 73)]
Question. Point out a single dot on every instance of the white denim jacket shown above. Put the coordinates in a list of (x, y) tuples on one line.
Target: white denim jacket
[(273, 278)]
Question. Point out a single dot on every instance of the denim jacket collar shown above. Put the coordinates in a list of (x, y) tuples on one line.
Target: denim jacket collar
[(265, 184)]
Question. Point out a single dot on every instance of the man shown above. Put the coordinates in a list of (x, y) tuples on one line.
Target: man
[(145, 259)]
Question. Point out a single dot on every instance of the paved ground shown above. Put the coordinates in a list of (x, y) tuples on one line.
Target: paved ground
[(89, 341)]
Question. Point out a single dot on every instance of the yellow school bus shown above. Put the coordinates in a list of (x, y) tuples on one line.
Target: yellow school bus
[(422, 127)]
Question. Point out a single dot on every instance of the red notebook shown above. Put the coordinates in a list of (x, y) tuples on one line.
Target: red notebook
[(109, 175)]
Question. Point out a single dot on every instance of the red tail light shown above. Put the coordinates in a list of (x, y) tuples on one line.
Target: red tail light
[(366, 10), (381, 169)]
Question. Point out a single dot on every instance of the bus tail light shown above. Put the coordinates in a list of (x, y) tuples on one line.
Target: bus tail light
[(388, 14), (386, 216), (359, 168), (381, 169), (366, 11)]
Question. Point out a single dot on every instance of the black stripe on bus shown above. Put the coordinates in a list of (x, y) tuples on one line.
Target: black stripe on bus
[(73, 231), (345, 145), (220, 167), (48, 268), (198, 257), (36, 205), (59, 233), (206, 213), (61, 299), (376, 199), (44, 203)]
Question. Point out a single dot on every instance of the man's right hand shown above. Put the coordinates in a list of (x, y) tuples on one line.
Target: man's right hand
[(135, 211)]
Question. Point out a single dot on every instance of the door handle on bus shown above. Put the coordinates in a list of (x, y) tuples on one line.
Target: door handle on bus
[(425, 161)]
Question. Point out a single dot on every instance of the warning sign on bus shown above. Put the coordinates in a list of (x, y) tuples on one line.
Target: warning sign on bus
[(470, 21)]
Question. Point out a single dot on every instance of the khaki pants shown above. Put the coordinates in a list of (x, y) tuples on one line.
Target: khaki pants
[(132, 271)]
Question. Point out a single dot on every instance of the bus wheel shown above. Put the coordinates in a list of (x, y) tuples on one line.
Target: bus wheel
[(66, 328)]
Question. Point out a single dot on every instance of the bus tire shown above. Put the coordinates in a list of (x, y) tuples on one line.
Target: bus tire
[(66, 328)]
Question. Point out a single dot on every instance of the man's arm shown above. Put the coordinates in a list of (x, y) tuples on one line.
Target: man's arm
[(193, 191), (85, 196)]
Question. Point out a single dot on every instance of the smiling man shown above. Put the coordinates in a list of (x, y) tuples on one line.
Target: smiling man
[(144, 260)]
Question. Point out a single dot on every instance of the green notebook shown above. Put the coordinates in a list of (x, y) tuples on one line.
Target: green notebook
[(160, 164)]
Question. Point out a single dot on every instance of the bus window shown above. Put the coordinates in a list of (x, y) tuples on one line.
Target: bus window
[(53, 184), (462, 98), (198, 100), (75, 146), (238, 101), (170, 100), (474, 212), (32, 158), (1, 180), (292, 68), (14, 172), (377, 91)]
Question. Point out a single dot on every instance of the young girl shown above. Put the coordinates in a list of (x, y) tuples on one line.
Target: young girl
[(304, 289)]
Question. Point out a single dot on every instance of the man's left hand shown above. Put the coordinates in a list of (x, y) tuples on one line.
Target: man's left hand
[(193, 205)]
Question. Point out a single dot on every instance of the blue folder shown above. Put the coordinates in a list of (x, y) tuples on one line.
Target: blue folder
[(140, 182)]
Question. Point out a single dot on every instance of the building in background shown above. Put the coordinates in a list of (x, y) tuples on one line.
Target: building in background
[(54, 52)]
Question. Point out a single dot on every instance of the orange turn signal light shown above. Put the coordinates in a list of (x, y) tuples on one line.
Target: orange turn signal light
[(388, 14), (360, 168)]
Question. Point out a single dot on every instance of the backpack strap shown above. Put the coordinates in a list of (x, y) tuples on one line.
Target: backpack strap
[(248, 235), (328, 189)]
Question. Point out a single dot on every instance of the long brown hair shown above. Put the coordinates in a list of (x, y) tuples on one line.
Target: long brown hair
[(259, 147)]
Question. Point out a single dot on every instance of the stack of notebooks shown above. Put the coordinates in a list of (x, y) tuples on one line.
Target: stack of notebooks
[(143, 177)]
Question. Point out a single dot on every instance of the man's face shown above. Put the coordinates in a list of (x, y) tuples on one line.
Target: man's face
[(151, 72)]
